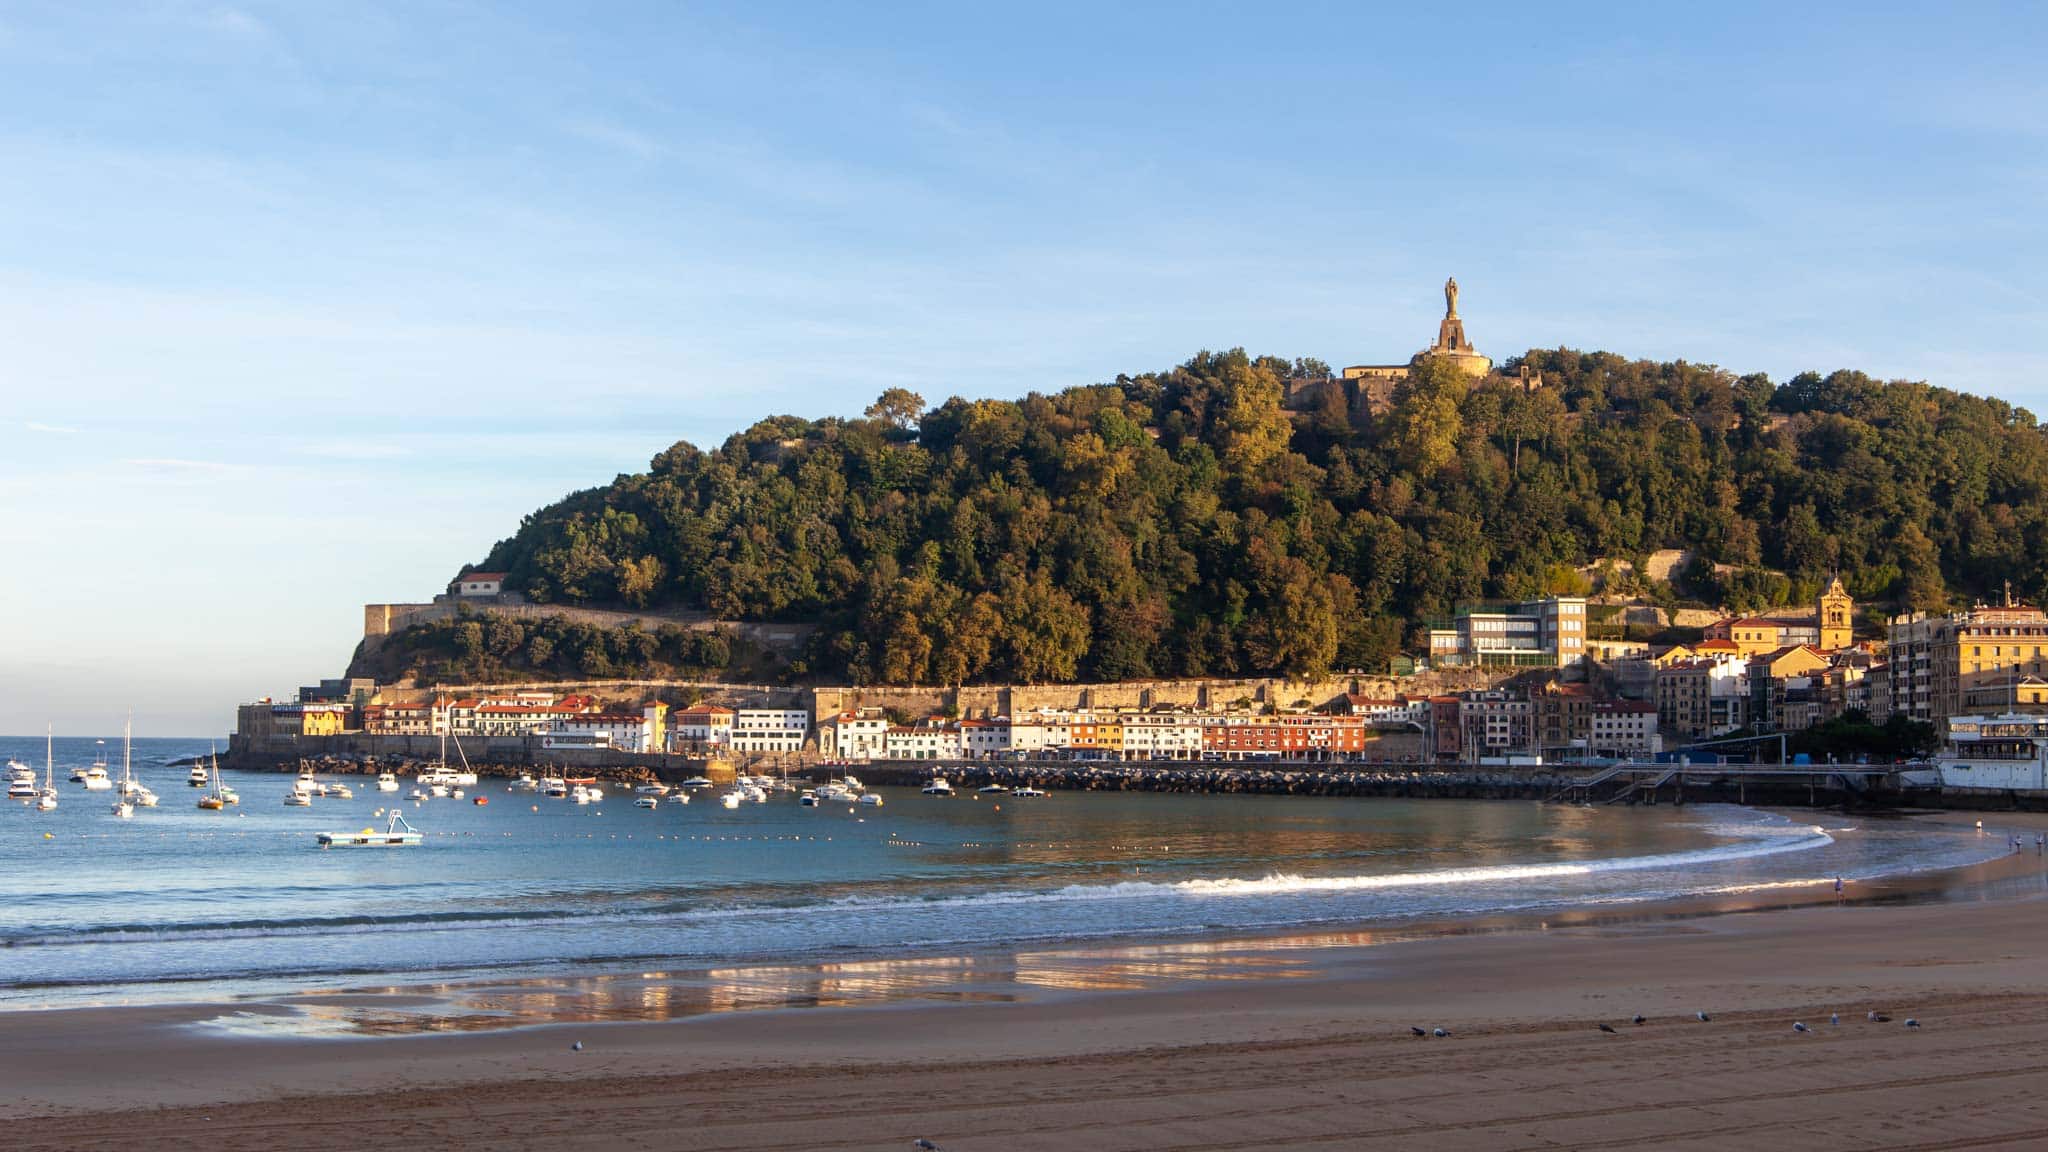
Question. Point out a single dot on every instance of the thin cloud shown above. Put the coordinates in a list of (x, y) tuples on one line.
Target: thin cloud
[(616, 137), (39, 426), (174, 464), (355, 450)]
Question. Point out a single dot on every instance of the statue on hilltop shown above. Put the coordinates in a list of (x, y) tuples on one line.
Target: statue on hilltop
[(1451, 296)]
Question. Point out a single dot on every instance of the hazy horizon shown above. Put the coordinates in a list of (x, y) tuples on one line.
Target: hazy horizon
[(304, 307)]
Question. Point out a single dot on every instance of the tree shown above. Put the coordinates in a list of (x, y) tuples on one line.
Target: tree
[(898, 407)]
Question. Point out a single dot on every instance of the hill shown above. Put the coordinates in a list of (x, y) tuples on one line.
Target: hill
[(1185, 523)]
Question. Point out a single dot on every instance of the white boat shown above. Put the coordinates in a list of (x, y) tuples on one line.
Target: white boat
[(937, 787), (341, 792), (869, 799), (647, 802), (216, 799), (196, 778), (99, 762), (141, 797), (22, 789), (420, 794), (96, 779), (124, 805), (732, 799), (679, 797), (16, 770), (525, 783), (697, 782), (46, 801), (1029, 793), (852, 784), (555, 786), (652, 789), (579, 795), (991, 789), (397, 834), (808, 799), (387, 782), (2006, 753), (437, 789), (756, 794), (300, 795)]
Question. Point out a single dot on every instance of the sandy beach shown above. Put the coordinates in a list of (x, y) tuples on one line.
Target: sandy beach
[(1280, 1044)]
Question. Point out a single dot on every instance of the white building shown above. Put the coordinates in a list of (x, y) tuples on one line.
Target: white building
[(862, 735), (1162, 737), (702, 726), (924, 742), (1546, 633), (619, 731), (769, 729), (479, 584), (1624, 728), (985, 739)]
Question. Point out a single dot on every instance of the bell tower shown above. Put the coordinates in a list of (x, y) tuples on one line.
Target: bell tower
[(1835, 616)]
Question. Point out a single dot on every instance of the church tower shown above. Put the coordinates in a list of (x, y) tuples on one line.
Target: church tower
[(1836, 613)]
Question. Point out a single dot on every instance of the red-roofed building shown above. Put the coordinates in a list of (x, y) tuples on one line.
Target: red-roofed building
[(477, 584)]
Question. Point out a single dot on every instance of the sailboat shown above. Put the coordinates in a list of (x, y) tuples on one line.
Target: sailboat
[(46, 801), (217, 799), (123, 808)]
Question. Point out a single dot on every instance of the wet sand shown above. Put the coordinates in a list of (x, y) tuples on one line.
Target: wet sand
[(1293, 1042)]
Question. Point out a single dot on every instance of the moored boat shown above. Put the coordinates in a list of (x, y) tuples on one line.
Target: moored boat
[(397, 834)]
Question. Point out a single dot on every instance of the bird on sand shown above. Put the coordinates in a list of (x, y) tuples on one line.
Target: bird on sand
[(924, 1145), (1440, 1033), (1417, 1031), (1639, 1019), (1609, 1029), (1702, 1017), (576, 1047), (1912, 1023), (1800, 1026), (1833, 1018)]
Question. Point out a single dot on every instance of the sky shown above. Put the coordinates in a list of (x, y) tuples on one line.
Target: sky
[(304, 305)]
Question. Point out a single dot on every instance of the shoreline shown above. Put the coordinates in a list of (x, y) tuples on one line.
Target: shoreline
[(58, 1060)]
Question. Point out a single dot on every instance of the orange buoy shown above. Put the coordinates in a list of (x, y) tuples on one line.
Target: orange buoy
[(481, 801)]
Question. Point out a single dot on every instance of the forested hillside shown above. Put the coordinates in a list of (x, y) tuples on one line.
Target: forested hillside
[(1183, 523)]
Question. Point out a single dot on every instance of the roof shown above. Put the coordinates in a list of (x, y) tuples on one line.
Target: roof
[(1755, 622), (1717, 646), (498, 576)]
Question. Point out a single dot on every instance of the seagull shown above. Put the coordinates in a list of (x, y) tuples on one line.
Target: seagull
[(1417, 1031), (1872, 1017), (1609, 1029), (1639, 1019), (1912, 1023), (1833, 1018), (1702, 1017), (1800, 1026), (576, 1047), (924, 1145), (1440, 1033)]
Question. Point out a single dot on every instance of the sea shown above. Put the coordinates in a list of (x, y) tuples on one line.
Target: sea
[(179, 903)]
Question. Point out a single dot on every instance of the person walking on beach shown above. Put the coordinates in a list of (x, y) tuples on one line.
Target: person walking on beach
[(2040, 842)]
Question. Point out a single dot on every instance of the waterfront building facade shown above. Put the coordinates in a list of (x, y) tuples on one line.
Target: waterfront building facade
[(1546, 633)]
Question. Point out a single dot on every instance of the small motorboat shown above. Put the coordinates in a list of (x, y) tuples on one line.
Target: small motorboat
[(340, 792), (869, 800), (420, 794), (652, 789), (97, 780), (679, 797), (123, 810), (697, 782), (808, 799), (1029, 793), (938, 787), (141, 797), (526, 783), (196, 778), (298, 798), (22, 789), (991, 789), (555, 787), (387, 782), (397, 834), (732, 799), (647, 802)]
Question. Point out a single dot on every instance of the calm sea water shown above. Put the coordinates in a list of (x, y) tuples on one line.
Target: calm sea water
[(148, 907)]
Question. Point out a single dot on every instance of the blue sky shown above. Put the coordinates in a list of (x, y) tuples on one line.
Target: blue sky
[(302, 306)]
